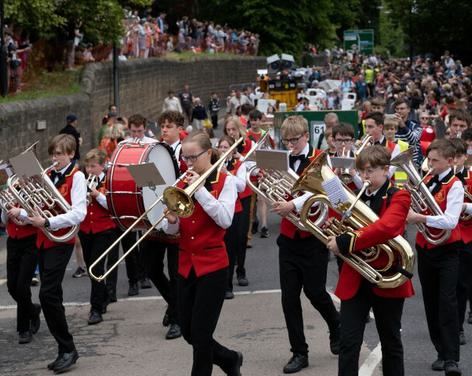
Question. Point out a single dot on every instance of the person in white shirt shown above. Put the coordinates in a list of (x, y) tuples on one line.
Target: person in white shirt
[(54, 256), (171, 103)]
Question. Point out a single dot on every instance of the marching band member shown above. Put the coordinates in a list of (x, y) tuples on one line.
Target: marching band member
[(154, 248), (357, 295), (235, 232), (303, 259), (438, 265), (374, 127), (464, 285), (203, 261), (54, 257), (97, 232), (22, 258), (234, 129)]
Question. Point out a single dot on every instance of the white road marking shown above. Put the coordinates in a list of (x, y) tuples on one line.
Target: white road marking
[(2, 281), (371, 362)]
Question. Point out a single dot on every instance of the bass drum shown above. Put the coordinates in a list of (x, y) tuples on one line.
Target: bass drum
[(126, 201)]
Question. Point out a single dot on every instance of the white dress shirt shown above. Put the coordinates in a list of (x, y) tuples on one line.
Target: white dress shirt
[(455, 199), (177, 148), (220, 209), (143, 140), (300, 200), (240, 178)]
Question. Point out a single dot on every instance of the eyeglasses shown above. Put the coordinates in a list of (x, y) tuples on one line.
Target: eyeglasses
[(424, 117), (294, 140), (343, 140), (192, 158)]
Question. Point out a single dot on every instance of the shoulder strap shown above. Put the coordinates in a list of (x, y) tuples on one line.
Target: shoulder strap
[(390, 192)]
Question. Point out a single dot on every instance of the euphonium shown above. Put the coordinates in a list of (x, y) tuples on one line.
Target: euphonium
[(38, 195), (422, 201), (400, 257), (178, 201)]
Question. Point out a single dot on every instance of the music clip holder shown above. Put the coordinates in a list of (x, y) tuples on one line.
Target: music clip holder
[(146, 175), (343, 162), (26, 164), (272, 159)]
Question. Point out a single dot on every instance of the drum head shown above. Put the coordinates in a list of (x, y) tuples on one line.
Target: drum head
[(163, 157)]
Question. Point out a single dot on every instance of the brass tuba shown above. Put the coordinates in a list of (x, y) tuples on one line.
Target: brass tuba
[(421, 199), (399, 253), (38, 194)]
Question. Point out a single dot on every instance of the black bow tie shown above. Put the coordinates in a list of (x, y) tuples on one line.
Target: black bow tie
[(433, 180), (294, 158), (55, 174)]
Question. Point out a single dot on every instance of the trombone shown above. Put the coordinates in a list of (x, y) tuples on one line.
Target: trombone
[(178, 201)]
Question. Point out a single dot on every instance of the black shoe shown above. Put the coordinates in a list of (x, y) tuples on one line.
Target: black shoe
[(95, 317), (173, 332), (25, 337), (236, 369), (451, 368), (66, 361), (166, 320), (133, 289), (36, 320), (469, 320), (264, 232), (79, 273), (335, 340), (296, 363), (255, 227), (53, 364), (145, 283), (229, 295), (242, 280), (462, 340), (438, 365)]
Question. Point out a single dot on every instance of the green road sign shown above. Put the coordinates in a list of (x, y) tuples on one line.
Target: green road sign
[(359, 40)]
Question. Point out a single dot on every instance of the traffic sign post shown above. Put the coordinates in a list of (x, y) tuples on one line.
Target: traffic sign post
[(359, 40)]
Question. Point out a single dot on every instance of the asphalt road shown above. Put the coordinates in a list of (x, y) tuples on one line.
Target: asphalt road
[(262, 270)]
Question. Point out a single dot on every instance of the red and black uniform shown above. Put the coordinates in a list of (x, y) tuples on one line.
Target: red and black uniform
[(464, 285), (22, 257), (53, 260), (235, 237), (303, 263), (245, 146), (438, 269), (358, 295), (256, 136), (203, 274), (97, 233)]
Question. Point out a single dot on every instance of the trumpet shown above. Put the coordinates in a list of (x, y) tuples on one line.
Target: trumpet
[(367, 140), (92, 183), (178, 202), (345, 176), (421, 199), (400, 257)]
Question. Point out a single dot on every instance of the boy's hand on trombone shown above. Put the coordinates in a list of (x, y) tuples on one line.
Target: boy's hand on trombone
[(171, 218)]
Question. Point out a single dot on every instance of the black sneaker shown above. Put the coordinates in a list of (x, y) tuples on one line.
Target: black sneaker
[(133, 289), (451, 368), (296, 363), (79, 273), (229, 295), (264, 232), (25, 337), (94, 318), (173, 332), (242, 280), (145, 283), (438, 365)]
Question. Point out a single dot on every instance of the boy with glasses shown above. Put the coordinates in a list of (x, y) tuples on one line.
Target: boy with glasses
[(303, 259)]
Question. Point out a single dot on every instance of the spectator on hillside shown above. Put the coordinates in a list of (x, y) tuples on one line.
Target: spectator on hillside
[(71, 128), (198, 114), (186, 101), (171, 103)]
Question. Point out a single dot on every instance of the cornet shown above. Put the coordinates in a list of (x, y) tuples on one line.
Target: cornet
[(92, 183)]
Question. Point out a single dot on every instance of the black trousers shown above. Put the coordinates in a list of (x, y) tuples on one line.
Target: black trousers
[(200, 303), (464, 284), (214, 119), (438, 269), (303, 265), (93, 246), (245, 223), (52, 266), (154, 252), (131, 262), (388, 315), (233, 244), (22, 257)]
